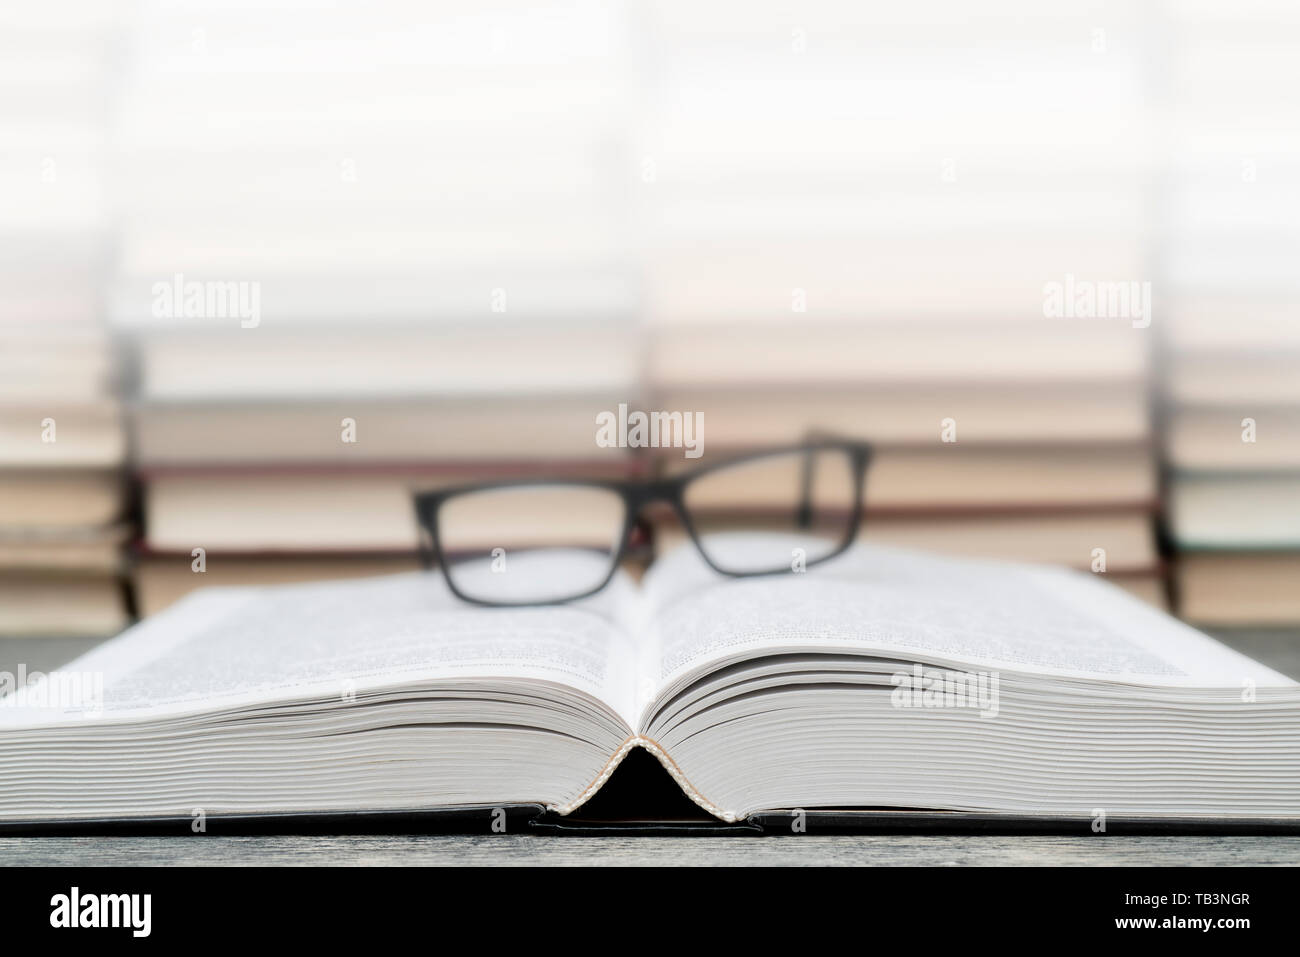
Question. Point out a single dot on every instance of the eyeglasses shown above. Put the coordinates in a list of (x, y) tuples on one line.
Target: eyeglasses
[(530, 542)]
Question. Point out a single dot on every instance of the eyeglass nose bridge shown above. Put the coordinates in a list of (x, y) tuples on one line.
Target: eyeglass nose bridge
[(654, 491)]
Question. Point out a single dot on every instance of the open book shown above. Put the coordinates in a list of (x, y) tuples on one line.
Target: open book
[(884, 679)]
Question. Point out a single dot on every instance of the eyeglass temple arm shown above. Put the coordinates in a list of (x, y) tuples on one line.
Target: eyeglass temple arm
[(803, 517), (424, 542)]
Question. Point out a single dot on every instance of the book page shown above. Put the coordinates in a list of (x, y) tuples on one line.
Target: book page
[(898, 603), (224, 647)]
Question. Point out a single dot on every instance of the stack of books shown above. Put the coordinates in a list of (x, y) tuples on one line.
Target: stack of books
[(1233, 445), (362, 302), (276, 479), (1232, 365), (61, 436), (826, 263)]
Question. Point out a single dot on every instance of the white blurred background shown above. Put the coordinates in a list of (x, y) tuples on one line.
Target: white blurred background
[(269, 266)]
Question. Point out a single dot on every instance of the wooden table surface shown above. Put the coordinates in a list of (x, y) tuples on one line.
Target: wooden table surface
[(1279, 649), (506, 849)]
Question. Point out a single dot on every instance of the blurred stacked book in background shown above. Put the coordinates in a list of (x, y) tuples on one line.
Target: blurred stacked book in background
[(371, 294), (61, 437), (1232, 372), (828, 261), (389, 248)]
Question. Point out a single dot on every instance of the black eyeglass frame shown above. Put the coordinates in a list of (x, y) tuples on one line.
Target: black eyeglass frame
[(636, 495)]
